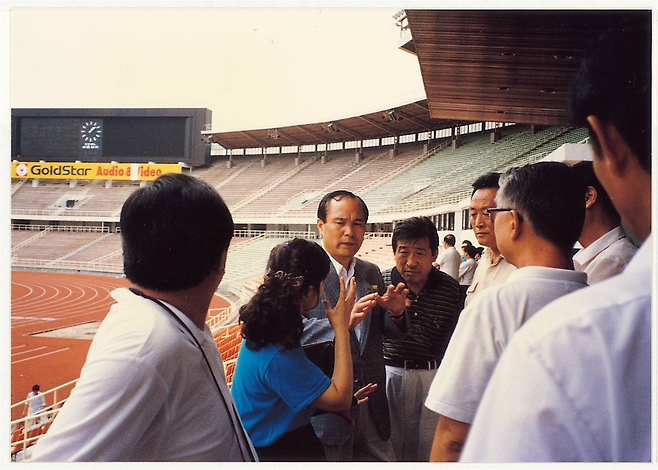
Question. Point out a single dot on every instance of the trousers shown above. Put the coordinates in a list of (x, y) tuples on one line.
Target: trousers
[(365, 445), (412, 424)]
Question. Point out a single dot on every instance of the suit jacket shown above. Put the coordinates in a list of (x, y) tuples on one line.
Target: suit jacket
[(367, 355)]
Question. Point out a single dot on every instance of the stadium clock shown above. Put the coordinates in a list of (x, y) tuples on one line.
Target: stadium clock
[(91, 133)]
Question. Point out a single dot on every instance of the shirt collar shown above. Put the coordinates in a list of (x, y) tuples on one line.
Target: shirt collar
[(494, 260), (124, 294), (543, 272), (396, 277), (587, 254), (347, 273)]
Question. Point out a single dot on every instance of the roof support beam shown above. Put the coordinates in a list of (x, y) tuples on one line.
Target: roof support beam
[(313, 134), (383, 127), (254, 139)]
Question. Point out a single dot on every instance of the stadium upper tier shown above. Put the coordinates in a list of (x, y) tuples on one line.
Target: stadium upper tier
[(445, 177), (283, 189)]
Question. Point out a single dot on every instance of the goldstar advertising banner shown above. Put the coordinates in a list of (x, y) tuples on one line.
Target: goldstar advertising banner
[(92, 171)]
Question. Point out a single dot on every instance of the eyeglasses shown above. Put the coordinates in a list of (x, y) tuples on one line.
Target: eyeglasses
[(493, 210)]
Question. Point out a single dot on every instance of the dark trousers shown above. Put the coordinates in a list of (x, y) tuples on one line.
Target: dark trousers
[(298, 445), (463, 288)]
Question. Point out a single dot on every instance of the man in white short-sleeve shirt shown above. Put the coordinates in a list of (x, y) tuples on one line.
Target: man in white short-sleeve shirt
[(575, 383), (449, 259), (153, 386), (535, 231)]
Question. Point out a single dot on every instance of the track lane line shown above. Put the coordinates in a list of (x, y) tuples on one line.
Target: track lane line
[(40, 355)]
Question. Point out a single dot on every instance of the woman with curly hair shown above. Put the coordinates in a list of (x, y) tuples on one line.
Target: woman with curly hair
[(275, 386)]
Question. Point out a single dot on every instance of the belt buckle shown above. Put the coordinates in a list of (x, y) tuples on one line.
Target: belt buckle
[(424, 365)]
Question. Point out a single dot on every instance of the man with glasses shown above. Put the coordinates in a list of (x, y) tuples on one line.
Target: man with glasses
[(537, 219), (492, 268), (574, 385)]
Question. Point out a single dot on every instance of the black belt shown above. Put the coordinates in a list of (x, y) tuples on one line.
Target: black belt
[(406, 364)]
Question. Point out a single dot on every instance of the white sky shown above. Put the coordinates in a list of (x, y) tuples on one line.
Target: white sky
[(253, 68)]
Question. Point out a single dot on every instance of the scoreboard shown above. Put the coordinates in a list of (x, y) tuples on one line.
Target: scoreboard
[(104, 135)]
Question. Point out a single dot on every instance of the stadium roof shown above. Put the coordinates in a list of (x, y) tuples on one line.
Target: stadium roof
[(407, 119), (497, 66), (501, 65)]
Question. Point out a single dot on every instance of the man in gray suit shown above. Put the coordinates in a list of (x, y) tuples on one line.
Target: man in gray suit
[(342, 218)]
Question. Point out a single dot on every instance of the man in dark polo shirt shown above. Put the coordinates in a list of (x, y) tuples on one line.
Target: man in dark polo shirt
[(411, 361)]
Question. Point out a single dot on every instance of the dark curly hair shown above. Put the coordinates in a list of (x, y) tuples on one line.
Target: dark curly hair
[(273, 313)]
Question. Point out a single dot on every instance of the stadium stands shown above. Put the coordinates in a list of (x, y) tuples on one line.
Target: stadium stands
[(66, 248), (377, 249), (228, 341), (277, 187), (445, 177)]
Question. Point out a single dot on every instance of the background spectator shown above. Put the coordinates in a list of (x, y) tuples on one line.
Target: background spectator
[(34, 404), (467, 270), (449, 258)]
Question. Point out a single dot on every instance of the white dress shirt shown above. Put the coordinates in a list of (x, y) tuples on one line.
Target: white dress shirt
[(347, 274), (606, 256), (449, 261)]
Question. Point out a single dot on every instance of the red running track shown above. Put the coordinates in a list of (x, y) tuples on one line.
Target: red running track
[(42, 301)]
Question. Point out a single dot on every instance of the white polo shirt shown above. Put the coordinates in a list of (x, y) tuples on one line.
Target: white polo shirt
[(483, 331)]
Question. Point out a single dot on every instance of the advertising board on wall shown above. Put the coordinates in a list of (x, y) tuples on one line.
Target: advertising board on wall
[(92, 171)]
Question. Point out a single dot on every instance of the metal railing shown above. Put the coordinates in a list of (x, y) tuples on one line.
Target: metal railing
[(75, 214), (95, 266), (27, 430), (61, 228)]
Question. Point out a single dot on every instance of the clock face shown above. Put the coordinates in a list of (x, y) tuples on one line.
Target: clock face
[(91, 134), (91, 131)]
